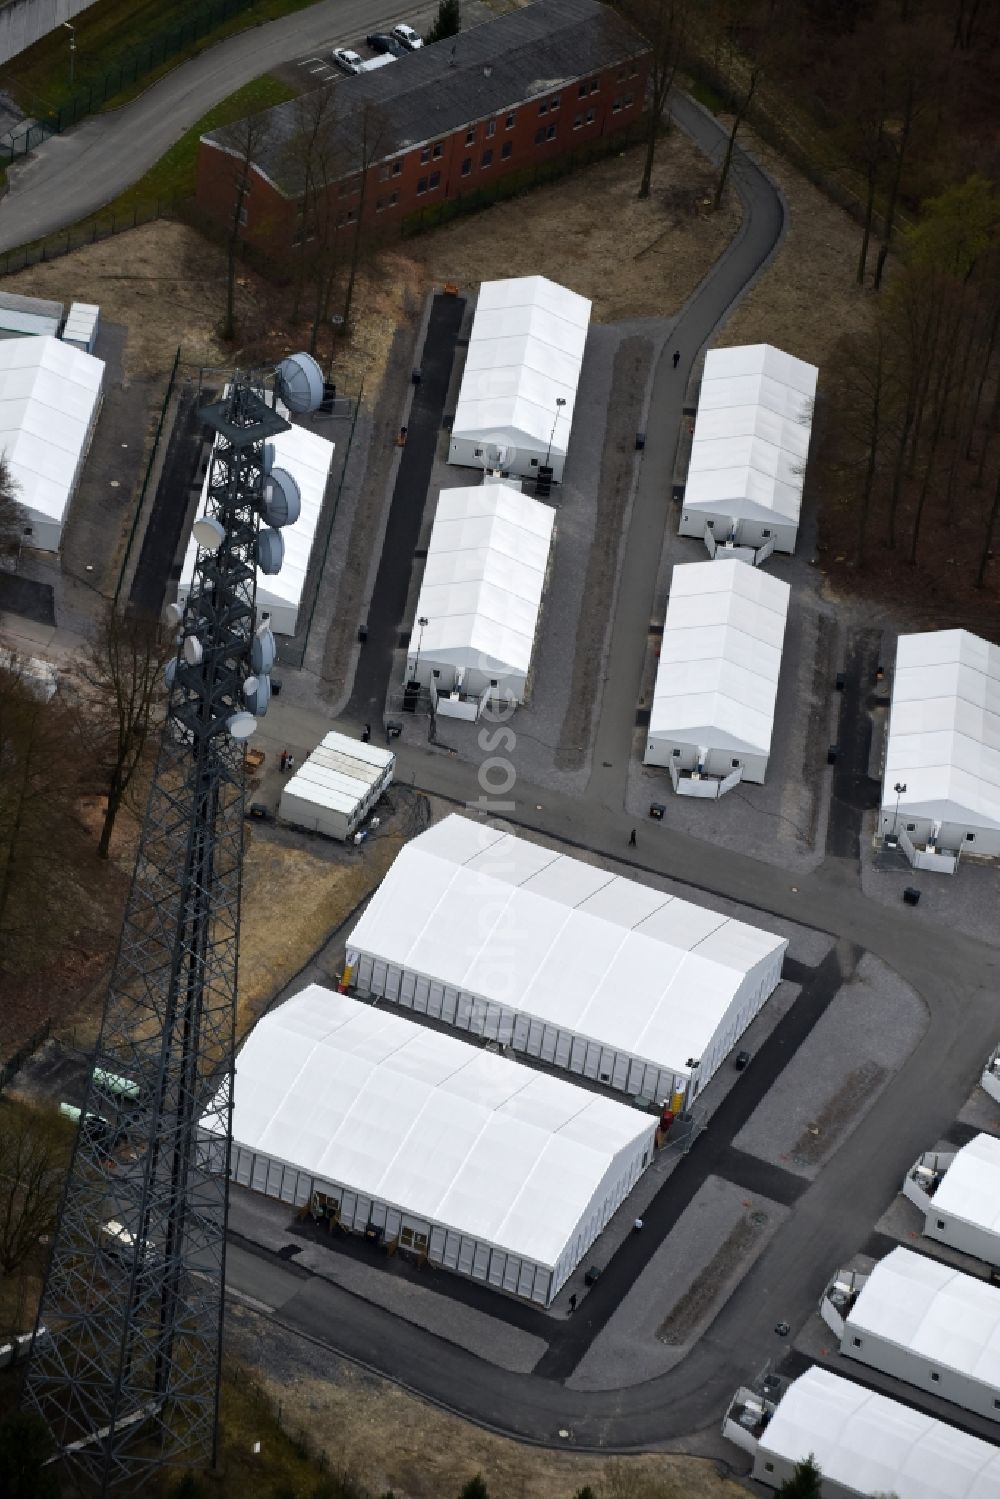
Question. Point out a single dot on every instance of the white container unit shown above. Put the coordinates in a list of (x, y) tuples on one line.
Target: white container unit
[(866, 1444), (749, 449), (964, 1208), (943, 749), (81, 326), (418, 1140), (931, 1326), (337, 787), (717, 680), (50, 399), (563, 960), (515, 405)]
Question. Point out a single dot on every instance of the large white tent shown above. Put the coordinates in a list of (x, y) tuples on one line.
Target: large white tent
[(717, 679), (965, 1208), (337, 787), (750, 445), (561, 959), (477, 1162), (481, 592), (50, 399), (867, 1444), (943, 747), (932, 1326), (515, 405), (307, 457)]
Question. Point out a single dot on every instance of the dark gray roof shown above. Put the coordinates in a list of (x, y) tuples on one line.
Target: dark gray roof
[(436, 90)]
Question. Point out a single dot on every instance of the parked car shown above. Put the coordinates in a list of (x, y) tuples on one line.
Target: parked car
[(382, 41), (409, 38), (346, 59)]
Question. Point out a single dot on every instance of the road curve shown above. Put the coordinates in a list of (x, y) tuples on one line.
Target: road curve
[(75, 174)]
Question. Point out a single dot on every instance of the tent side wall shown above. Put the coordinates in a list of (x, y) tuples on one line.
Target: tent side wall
[(469, 1012), (757, 987), (919, 1370), (749, 533), (982, 1243), (774, 1469), (360, 1214), (619, 1179), (719, 762)]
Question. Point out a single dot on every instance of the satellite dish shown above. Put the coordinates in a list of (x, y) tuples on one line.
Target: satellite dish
[(241, 725), (209, 532), (267, 462), (263, 651), (300, 383), (258, 697), (270, 551), (170, 673), (282, 500), (173, 614), (193, 652)]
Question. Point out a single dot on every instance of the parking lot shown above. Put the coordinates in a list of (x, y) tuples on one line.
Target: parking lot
[(318, 67)]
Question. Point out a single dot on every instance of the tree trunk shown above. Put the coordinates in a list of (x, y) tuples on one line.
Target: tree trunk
[(7, 881), (873, 445), (869, 215), (988, 542), (115, 795), (897, 179), (727, 160)]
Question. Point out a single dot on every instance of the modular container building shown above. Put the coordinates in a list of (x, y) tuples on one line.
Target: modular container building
[(943, 749), (481, 596), (419, 1141), (866, 1444), (749, 450), (50, 399), (931, 1326), (717, 679), (29, 317), (82, 325), (563, 960), (307, 457), (961, 1201), (338, 786), (518, 392)]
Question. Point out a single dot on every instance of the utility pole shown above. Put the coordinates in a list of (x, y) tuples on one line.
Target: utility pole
[(72, 54)]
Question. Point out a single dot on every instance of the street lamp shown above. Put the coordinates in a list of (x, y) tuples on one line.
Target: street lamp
[(422, 623), (899, 788), (560, 403), (72, 53)]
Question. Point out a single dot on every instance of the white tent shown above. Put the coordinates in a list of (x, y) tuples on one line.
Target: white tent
[(965, 1208), (717, 679), (932, 1326), (482, 591), (481, 1164), (561, 959), (50, 398), (307, 457), (749, 450), (866, 1444), (337, 787), (515, 406), (944, 743)]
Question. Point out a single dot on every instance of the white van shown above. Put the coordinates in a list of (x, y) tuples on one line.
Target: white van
[(407, 36)]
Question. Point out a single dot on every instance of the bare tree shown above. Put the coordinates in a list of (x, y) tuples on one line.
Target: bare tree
[(243, 142), (34, 1155), (665, 25), (369, 130), (13, 516), (122, 678), (312, 156)]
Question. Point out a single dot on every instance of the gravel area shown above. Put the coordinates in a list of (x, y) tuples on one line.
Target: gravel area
[(864, 1036), (270, 1224), (682, 1289), (965, 902)]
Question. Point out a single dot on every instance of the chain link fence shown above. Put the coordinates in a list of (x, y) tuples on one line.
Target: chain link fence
[(86, 233)]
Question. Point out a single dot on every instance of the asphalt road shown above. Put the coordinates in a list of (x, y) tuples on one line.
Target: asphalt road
[(75, 174)]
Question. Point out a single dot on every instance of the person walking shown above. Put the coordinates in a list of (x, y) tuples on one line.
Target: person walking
[(284, 758), (637, 1225), (572, 1304), (289, 762), (366, 733), (677, 357), (631, 839)]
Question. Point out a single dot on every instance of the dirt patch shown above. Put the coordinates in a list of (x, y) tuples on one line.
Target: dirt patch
[(817, 732), (696, 1303), (838, 1113), (590, 231), (629, 379), (390, 1440)]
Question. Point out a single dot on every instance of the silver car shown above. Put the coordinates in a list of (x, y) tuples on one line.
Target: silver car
[(346, 59)]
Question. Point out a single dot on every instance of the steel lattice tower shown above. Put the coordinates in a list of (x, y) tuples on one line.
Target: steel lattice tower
[(125, 1362)]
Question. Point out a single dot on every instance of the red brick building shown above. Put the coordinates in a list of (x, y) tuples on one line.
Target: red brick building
[(437, 124)]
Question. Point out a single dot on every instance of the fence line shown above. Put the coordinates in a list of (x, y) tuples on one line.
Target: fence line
[(13, 1065), (88, 232)]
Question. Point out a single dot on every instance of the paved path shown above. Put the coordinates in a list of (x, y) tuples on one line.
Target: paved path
[(75, 174)]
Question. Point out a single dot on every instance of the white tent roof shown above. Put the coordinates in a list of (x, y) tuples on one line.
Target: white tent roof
[(873, 1445), (525, 352), (944, 729), (484, 577), (568, 942), (751, 434), (442, 1130), (339, 773), (49, 393), (970, 1189), (307, 457), (720, 659), (934, 1312)]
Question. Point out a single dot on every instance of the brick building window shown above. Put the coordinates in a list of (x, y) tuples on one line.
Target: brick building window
[(590, 117), (421, 185), (543, 108), (393, 199), (397, 167), (379, 205), (550, 134), (629, 101), (508, 148), (434, 182), (491, 129), (539, 136), (554, 102), (425, 156), (385, 173), (438, 151), (487, 159), (470, 136), (467, 166), (582, 91), (577, 122), (595, 84), (510, 119), (616, 107)]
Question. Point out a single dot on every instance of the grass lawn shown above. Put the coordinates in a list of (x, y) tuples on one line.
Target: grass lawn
[(114, 34)]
